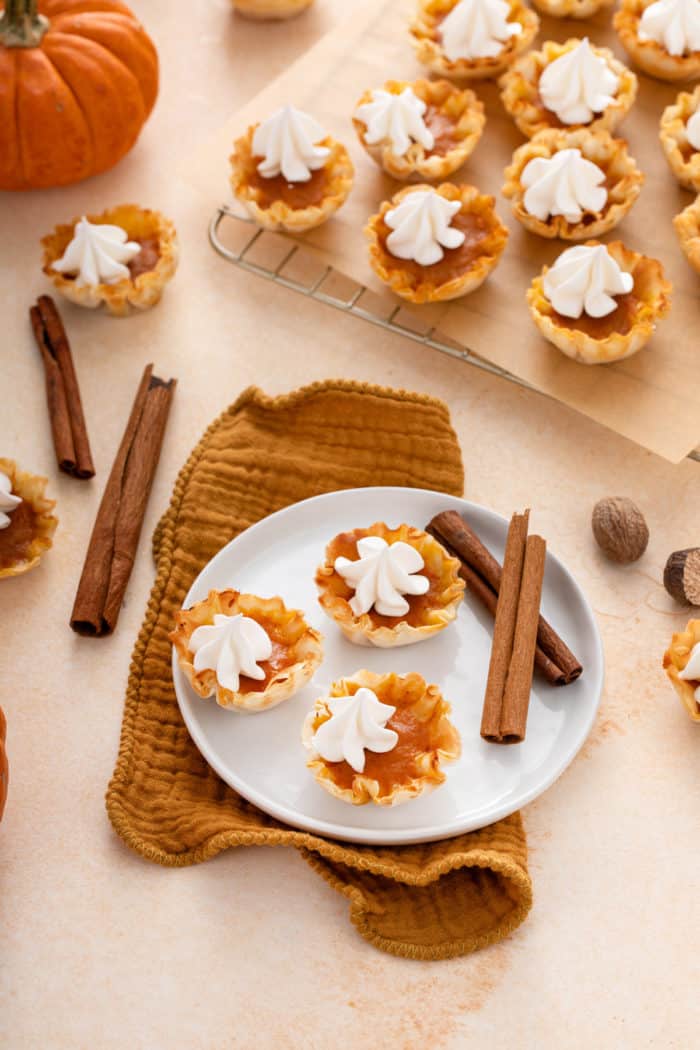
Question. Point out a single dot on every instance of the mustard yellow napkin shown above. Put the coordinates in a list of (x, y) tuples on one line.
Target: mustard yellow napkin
[(427, 902)]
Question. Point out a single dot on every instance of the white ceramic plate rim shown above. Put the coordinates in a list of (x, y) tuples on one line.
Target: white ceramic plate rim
[(373, 836)]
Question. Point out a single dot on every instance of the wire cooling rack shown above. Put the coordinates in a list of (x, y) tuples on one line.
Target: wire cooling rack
[(235, 237)]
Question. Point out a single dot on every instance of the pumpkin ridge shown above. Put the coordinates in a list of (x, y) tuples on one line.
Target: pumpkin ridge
[(62, 49), (78, 104), (67, 25), (22, 60)]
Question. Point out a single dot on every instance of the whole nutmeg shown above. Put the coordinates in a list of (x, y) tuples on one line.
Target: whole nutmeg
[(682, 576), (620, 529)]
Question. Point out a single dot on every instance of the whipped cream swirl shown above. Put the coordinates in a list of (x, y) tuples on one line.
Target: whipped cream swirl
[(382, 574), (578, 85), (97, 254), (357, 724), (691, 671), (8, 502), (477, 29), (397, 119), (421, 227), (232, 646), (566, 184), (675, 24), (584, 279), (692, 130), (286, 142)]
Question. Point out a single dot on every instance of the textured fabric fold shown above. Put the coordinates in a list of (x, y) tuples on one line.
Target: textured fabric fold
[(430, 901)]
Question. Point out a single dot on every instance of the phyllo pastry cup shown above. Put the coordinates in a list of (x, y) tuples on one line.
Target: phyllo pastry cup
[(623, 181), (676, 658), (521, 96), (296, 650), (687, 226), (682, 156), (32, 525), (455, 117), (428, 613), (571, 8), (275, 203), (649, 55), (149, 271), (461, 270), (602, 340), (426, 739), (425, 31)]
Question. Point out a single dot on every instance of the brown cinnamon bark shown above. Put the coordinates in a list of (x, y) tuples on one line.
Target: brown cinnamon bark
[(115, 535), (504, 627), (516, 697), (68, 427), (553, 658)]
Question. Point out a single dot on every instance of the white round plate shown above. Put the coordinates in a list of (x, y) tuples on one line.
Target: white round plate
[(261, 756)]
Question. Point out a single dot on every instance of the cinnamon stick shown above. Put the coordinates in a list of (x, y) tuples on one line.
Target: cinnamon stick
[(516, 696), (553, 658), (115, 535), (68, 427), (504, 627)]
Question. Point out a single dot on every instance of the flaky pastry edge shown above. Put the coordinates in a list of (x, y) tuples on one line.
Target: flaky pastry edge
[(447, 746)]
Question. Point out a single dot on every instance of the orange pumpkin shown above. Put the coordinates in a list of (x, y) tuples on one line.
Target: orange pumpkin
[(4, 771), (78, 78)]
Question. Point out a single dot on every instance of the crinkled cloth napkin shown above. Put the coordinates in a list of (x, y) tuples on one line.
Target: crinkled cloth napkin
[(430, 901)]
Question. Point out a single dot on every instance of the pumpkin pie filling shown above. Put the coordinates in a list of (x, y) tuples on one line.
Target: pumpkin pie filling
[(16, 539), (442, 127), (144, 262), (345, 546), (395, 767), (455, 261), (621, 320), (281, 658), (625, 315), (295, 195), (148, 257)]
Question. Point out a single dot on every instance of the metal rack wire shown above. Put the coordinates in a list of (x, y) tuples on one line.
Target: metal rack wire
[(273, 257)]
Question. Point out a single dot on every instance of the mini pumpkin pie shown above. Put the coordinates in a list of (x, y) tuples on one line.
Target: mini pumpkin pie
[(568, 85), (472, 39), (682, 665), (270, 10), (389, 587), (599, 302), (572, 184), (27, 524), (122, 258), (661, 36), (680, 138), (288, 173), (380, 738), (250, 653), (687, 226), (426, 128), (433, 244), (571, 8)]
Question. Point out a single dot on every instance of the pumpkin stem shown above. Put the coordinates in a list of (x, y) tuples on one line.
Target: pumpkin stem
[(21, 25)]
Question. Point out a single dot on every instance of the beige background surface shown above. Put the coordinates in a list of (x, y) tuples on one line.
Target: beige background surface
[(99, 949)]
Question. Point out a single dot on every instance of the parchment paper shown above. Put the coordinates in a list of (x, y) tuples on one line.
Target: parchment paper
[(652, 398)]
